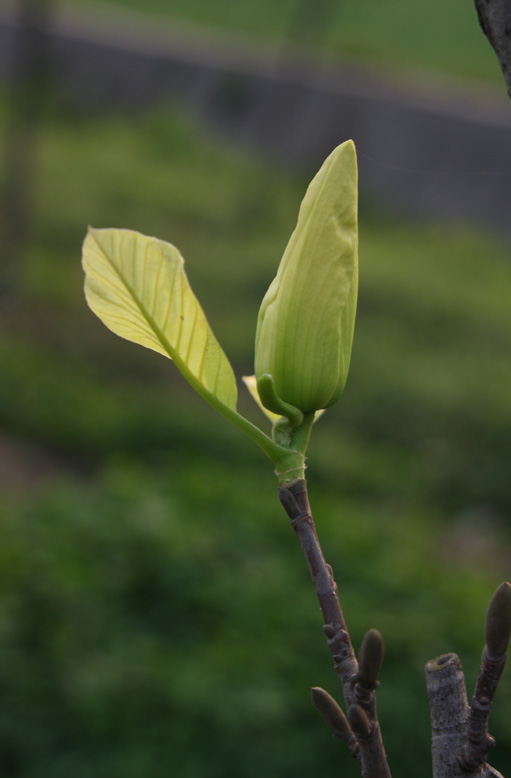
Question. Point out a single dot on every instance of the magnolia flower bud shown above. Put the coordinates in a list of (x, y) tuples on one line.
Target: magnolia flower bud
[(307, 317)]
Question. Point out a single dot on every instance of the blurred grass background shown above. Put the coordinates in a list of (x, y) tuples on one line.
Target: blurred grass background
[(434, 37), (156, 616)]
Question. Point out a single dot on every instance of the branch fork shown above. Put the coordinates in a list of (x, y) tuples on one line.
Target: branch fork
[(359, 679), (460, 739)]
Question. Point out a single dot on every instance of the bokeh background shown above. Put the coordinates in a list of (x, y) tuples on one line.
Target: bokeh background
[(156, 615)]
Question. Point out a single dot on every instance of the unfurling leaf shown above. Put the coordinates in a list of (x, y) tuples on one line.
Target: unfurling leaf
[(138, 287), (251, 384)]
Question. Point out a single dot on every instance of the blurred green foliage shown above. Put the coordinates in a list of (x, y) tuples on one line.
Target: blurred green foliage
[(157, 621), (156, 616), (434, 37)]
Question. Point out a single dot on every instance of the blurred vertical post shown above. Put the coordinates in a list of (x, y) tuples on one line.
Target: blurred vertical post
[(28, 94)]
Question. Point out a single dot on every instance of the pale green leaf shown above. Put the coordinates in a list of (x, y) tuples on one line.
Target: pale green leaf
[(138, 287)]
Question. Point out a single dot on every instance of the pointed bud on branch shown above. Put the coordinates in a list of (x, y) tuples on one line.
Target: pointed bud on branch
[(332, 713), (359, 721), (370, 659), (498, 621)]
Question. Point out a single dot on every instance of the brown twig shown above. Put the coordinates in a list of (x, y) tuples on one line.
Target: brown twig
[(296, 504), (370, 660), (479, 742), (359, 693), (493, 660)]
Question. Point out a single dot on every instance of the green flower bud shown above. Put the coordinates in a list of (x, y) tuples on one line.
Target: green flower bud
[(307, 317)]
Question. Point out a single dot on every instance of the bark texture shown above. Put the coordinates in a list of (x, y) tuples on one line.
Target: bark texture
[(451, 722), (495, 20)]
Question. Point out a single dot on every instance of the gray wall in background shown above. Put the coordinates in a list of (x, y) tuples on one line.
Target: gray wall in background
[(426, 150)]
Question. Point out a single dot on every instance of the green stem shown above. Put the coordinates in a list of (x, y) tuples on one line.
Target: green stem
[(300, 435), (289, 463)]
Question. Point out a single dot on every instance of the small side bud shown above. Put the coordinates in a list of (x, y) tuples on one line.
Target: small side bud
[(329, 630), (359, 721), (330, 711), (370, 659), (498, 621)]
